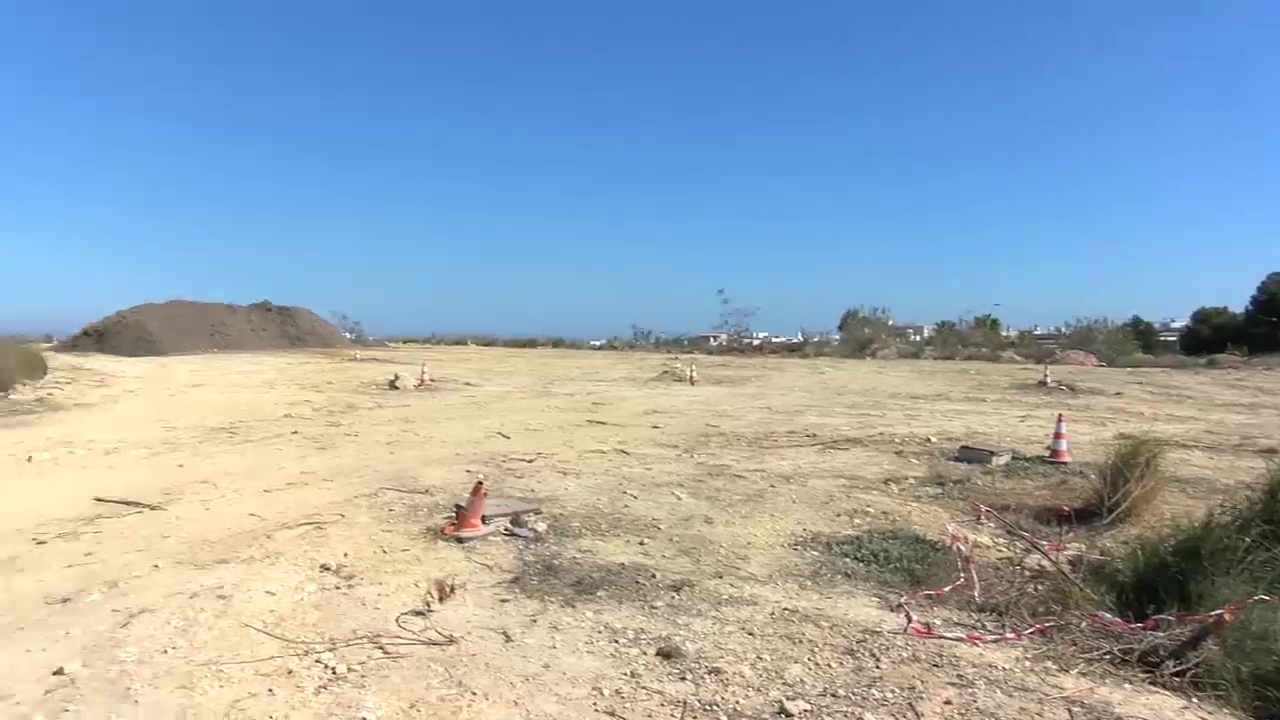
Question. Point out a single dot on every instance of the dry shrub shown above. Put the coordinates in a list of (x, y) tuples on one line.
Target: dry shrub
[(1130, 481), (20, 363)]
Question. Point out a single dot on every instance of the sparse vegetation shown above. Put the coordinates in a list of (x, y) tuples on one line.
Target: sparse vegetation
[(895, 557), (1130, 480), (1232, 553), (19, 363)]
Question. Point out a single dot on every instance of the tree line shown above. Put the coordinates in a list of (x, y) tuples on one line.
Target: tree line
[(870, 330)]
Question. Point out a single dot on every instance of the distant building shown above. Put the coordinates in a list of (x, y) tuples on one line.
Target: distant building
[(713, 339), (1168, 330), (913, 333)]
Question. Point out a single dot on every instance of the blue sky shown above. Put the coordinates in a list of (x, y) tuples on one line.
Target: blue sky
[(574, 167)]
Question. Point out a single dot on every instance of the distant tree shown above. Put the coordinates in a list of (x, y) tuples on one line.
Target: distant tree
[(862, 328), (1211, 330), (1261, 322), (353, 329), (1144, 333), (735, 319), (945, 327), (1101, 336), (986, 324)]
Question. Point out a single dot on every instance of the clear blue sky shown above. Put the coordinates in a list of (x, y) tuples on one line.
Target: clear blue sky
[(573, 167)]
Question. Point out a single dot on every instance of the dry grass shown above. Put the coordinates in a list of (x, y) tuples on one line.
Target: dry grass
[(1129, 482), (19, 363)]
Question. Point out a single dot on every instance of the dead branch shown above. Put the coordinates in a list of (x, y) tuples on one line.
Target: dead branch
[(503, 435), (406, 491), (127, 502), (1034, 546)]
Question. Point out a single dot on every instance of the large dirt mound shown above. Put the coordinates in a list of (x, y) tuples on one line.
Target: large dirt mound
[(181, 326), (1083, 358)]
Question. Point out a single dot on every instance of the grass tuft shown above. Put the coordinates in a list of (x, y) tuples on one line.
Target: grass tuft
[(20, 363), (1129, 482)]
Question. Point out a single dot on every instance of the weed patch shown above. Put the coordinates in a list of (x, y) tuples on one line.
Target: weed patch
[(20, 363), (894, 557), (1231, 554)]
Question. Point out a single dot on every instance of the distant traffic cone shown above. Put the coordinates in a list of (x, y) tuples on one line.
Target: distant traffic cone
[(357, 355), (692, 375), (468, 521), (1058, 451), (1046, 380), (424, 377)]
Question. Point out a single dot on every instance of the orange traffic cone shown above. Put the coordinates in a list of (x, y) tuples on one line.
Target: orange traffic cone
[(692, 375), (1058, 451), (424, 377), (468, 521)]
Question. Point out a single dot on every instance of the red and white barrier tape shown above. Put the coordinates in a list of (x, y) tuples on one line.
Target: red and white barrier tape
[(968, 575), (1226, 612)]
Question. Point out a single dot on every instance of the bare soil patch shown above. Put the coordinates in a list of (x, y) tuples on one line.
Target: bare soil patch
[(682, 518)]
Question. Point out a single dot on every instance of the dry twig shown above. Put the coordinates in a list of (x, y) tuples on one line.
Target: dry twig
[(127, 502)]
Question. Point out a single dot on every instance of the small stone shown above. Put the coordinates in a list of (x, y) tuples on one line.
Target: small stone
[(794, 708), (340, 669), (671, 651), (67, 669), (324, 658)]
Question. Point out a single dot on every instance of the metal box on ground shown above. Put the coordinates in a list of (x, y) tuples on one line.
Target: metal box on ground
[(979, 454)]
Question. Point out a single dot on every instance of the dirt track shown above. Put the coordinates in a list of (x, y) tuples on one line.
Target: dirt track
[(677, 515)]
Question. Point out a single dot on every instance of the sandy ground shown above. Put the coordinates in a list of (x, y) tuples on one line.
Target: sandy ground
[(303, 500)]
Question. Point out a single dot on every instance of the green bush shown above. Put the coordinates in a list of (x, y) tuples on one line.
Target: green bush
[(1232, 553), (20, 363)]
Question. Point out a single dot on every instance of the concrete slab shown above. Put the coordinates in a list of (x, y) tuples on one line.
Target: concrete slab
[(980, 454)]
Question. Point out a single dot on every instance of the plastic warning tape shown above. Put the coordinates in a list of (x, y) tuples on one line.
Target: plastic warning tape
[(1226, 612), (968, 575), (917, 629)]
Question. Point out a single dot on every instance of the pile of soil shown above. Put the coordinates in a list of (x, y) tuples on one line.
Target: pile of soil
[(1224, 360), (181, 326), (1082, 358)]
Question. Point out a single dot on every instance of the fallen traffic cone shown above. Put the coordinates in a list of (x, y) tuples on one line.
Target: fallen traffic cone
[(1058, 451), (1046, 380), (692, 375), (424, 377), (468, 520)]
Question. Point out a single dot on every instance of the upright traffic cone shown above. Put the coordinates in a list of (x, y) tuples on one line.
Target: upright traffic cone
[(1046, 380), (1058, 451), (468, 520), (424, 377), (693, 374)]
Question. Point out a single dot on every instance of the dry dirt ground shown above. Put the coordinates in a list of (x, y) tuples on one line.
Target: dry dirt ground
[(303, 500)]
